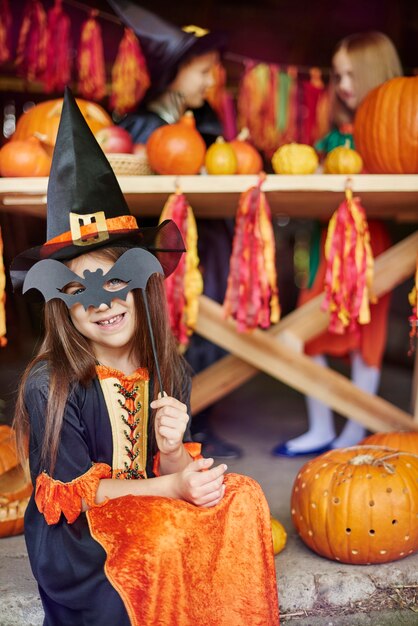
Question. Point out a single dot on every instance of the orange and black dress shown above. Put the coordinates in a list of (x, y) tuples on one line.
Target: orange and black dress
[(138, 560)]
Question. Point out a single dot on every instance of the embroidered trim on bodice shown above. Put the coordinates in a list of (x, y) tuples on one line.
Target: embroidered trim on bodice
[(127, 400)]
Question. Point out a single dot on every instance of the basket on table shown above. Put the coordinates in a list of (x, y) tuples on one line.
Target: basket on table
[(129, 164)]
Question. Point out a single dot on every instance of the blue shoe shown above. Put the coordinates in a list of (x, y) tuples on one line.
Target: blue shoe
[(283, 450)]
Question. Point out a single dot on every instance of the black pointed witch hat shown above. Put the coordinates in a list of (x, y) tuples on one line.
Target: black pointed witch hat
[(86, 208), (165, 45)]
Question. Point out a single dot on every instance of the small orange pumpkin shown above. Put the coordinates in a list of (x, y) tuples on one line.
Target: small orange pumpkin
[(406, 441), (25, 158), (44, 119), (358, 505), (249, 160), (221, 159), (386, 127), (177, 148)]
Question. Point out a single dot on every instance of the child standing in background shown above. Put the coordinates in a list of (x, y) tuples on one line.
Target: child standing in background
[(360, 63)]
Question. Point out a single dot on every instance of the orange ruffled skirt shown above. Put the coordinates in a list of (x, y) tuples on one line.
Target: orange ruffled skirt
[(175, 564)]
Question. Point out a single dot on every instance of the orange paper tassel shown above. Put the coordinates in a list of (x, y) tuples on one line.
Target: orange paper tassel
[(58, 68), (413, 318), (185, 284), (214, 94), (3, 340), (349, 273), (5, 31), (31, 48), (252, 294), (91, 62), (130, 78)]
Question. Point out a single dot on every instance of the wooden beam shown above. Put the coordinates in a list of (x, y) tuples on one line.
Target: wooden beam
[(391, 268), (303, 374)]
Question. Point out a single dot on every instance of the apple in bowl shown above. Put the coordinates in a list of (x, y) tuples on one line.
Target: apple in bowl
[(114, 140)]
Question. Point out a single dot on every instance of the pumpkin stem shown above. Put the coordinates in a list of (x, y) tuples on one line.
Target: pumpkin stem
[(243, 135), (220, 140), (362, 459), (188, 119)]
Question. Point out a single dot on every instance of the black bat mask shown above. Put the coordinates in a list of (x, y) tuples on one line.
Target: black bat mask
[(50, 277)]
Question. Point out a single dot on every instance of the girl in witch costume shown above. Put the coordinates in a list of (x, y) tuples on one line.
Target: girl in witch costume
[(128, 523), (360, 62)]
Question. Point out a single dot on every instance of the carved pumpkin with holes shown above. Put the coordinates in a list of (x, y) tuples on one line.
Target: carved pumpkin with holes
[(15, 487), (358, 505)]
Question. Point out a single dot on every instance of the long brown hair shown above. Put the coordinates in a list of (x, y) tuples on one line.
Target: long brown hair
[(374, 59), (70, 359)]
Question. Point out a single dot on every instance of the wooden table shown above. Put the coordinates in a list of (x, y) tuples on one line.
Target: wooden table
[(278, 351)]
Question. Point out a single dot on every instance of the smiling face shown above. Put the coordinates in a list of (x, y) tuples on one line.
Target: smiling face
[(109, 329), (194, 78), (344, 79)]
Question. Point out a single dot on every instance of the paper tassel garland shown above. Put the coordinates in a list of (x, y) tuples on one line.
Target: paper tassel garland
[(58, 49), (185, 284), (349, 272), (252, 294), (31, 48), (130, 78), (3, 340), (5, 31), (267, 102), (413, 318), (91, 63)]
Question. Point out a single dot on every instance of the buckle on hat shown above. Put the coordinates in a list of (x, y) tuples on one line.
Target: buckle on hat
[(88, 229), (197, 31)]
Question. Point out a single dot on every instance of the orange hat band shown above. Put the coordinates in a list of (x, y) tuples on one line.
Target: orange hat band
[(94, 227)]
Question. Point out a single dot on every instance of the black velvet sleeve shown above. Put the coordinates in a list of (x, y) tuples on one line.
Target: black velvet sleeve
[(73, 458)]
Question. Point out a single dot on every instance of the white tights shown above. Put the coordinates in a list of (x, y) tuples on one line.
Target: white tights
[(321, 430)]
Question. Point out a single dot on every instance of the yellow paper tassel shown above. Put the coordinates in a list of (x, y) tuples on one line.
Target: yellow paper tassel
[(3, 340), (413, 318)]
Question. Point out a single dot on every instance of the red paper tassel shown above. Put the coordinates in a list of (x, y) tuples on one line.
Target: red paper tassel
[(58, 50), (252, 294), (185, 284), (3, 340), (5, 31), (315, 110), (413, 318), (91, 62), (130, 78), (31, 49), (349, 273)]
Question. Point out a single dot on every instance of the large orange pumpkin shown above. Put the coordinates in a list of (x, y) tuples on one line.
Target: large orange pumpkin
[(15, 487), (25, 158), (177, 148), (8, 452), (406, 441), (249, 160), (44, 119), (358, 505), (386, 127)]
